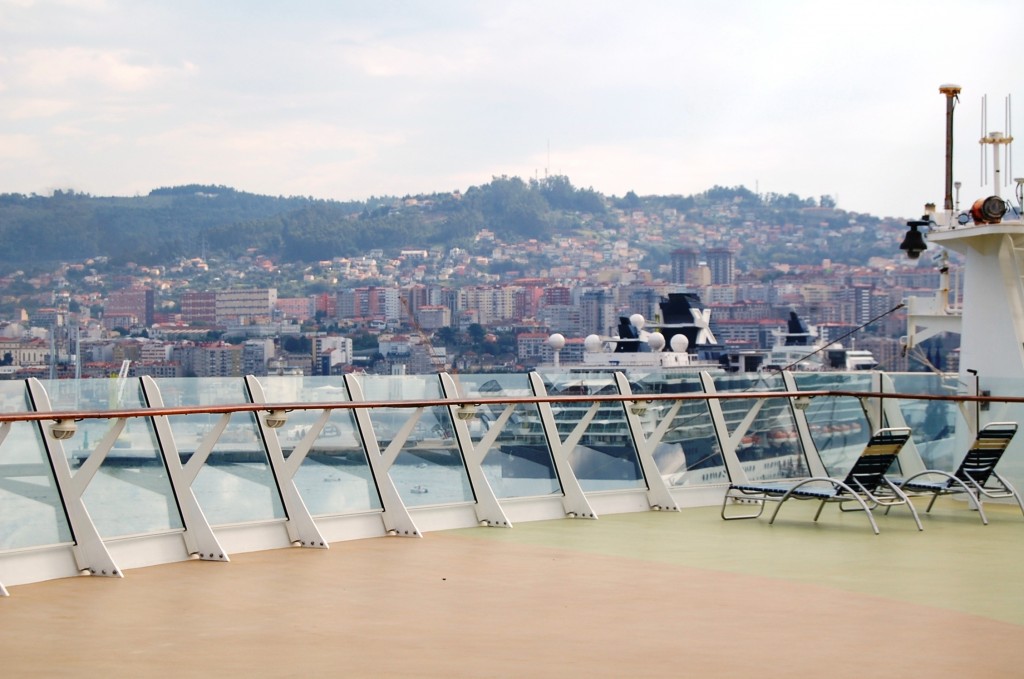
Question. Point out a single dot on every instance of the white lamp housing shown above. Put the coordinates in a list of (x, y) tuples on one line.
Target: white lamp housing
[(275, 419), (62, 430)]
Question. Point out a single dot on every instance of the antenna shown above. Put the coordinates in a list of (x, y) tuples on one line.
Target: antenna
[(984, 129), (1009, 144), (996, 139)]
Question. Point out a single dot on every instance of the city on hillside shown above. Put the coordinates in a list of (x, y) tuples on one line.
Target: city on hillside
[(487, 301)]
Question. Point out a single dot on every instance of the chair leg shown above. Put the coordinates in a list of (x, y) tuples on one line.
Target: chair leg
[(759, 500), (975, 498), (910, 505), (870, 514), (1013, 491)]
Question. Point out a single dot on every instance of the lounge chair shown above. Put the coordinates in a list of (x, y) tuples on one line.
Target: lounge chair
[(976, 476), (865, 484)]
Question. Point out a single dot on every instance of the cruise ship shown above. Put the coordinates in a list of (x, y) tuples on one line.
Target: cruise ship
[(570, 520)]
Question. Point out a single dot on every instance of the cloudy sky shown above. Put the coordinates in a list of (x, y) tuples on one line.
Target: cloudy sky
[(343, 99)]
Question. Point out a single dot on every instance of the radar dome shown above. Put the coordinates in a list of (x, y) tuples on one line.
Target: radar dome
[(656, 341), (556, 341), (680, 344), (593, 343), (638, 321)]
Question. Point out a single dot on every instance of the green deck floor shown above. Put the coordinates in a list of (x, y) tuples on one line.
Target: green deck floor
[(956, 562)]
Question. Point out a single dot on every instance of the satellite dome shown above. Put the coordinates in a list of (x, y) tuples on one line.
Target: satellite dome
[(656, 341), (592, 343), (638, 321), (680, 344), (556, 341)]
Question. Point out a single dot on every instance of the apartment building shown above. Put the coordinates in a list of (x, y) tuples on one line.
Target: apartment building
[(199, 308), (244, 306), (128, 308), (297, 308)]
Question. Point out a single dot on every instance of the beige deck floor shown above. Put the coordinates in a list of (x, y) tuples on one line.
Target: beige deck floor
[(638, 595)]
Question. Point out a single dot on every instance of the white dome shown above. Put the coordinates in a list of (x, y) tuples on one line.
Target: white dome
[(680, 344), (556, 341), (656, 341), (593, 343), (638, 321)]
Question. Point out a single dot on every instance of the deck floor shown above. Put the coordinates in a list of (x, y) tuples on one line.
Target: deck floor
[(644, 595)]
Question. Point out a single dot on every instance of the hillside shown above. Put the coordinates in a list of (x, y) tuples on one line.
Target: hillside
[(195, 220)]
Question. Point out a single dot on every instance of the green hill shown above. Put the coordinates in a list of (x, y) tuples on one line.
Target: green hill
[(188, 221)]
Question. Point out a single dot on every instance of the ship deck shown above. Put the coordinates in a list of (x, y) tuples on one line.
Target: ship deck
[(647, 594)]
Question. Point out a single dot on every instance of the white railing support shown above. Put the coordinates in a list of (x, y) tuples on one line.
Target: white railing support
[(658, 494), (301, 528), (812, 456), (199, 537), (733, 467), (396, 517), (488, 509), (574, 501), (90, 553)]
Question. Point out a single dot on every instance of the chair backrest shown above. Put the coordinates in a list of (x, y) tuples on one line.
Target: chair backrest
[(981, 460), (879, 454)]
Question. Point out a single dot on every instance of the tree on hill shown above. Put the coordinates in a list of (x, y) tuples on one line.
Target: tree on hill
[(560, 194)]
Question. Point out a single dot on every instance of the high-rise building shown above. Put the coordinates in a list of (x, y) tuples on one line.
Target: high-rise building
[(366, 304), (722, 263), (557, 294), (297, 308), (684, 264), (245, 306), (199, 308), (125, 308), (597, 312), (255, 355), (492, 303)]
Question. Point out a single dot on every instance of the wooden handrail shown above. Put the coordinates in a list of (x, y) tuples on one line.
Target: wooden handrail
[(430, 403)]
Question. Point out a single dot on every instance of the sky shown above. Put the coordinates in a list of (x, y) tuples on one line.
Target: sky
[(347, 100)]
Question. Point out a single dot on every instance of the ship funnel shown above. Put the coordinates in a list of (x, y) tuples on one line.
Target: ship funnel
[(952, 96)]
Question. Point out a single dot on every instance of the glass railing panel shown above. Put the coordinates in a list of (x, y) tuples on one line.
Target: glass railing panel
[(839, 426), (933, 423), (236, 484), (335, 476), (131, 493), (769, 448), (1011, 465), (605, 457), (689, 453), (429, 469), (519, 464), (31, 512)]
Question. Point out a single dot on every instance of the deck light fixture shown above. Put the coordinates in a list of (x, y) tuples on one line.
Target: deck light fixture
[(913, 242), (62, 430), (638, 408), (275, 419), (466, 412)]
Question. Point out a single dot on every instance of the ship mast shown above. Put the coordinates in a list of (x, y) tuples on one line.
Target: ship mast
[(952, 93)]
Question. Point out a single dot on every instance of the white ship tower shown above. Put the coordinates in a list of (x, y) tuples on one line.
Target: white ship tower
[(990, 236)]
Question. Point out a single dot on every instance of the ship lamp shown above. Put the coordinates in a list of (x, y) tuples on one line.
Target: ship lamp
[(62, 430), (913, 242), (275, 419)]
